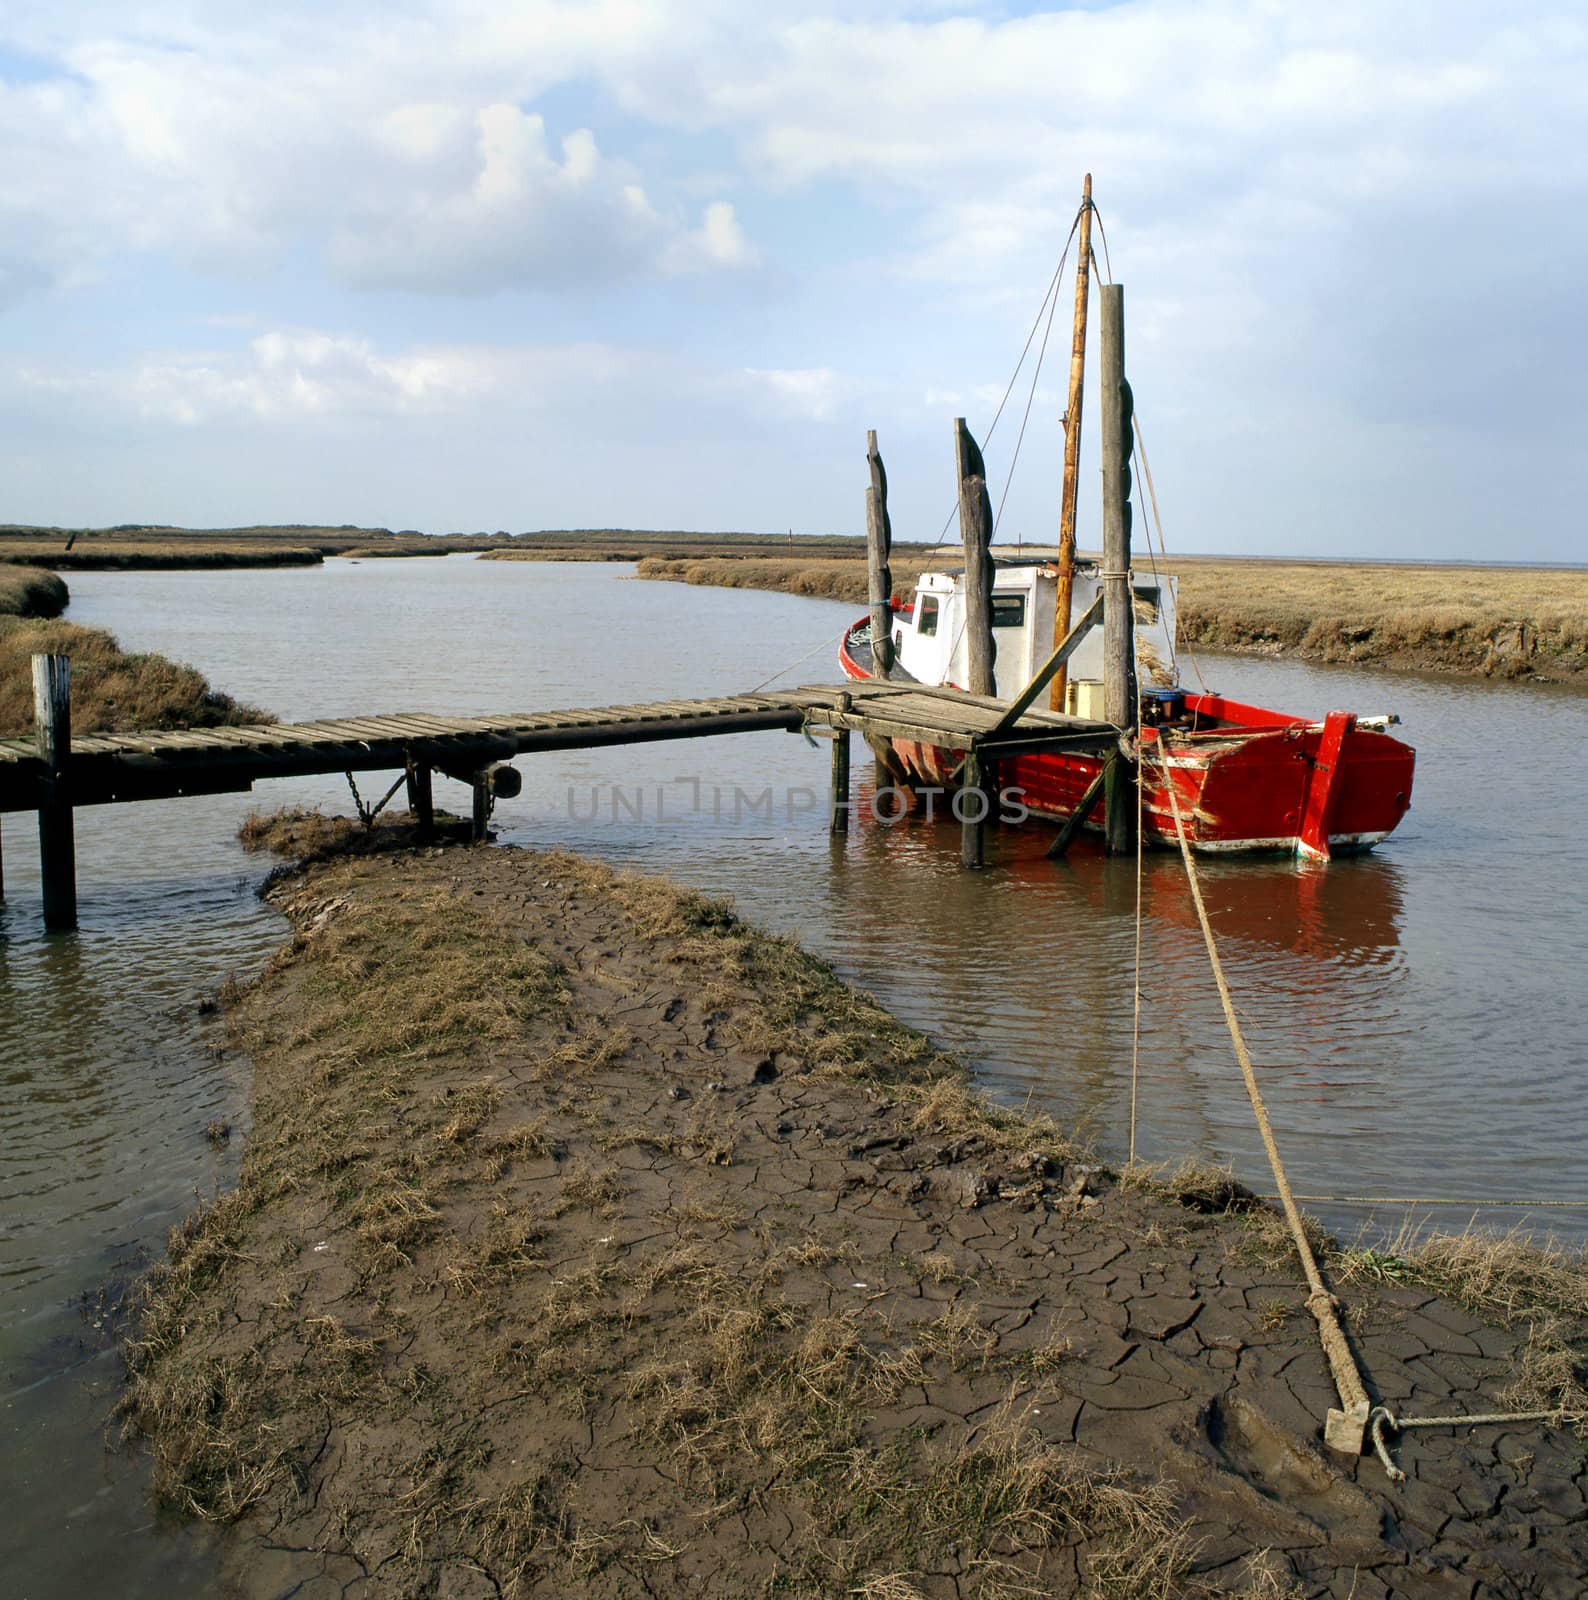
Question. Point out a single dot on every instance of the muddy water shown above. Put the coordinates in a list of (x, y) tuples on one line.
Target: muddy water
[(1416, 1013)]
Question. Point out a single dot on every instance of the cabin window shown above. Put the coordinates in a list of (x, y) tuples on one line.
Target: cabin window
[(926, 615), (1146, 607), (1008, 610)]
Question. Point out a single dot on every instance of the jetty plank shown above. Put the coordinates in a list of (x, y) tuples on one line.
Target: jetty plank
[(153, 764)]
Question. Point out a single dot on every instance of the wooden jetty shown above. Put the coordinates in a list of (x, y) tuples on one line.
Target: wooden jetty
[(52, 773)]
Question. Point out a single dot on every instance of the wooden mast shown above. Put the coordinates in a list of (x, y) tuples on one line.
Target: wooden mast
[(1072, 445)]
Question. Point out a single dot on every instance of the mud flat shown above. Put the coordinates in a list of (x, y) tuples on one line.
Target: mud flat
[(588, 1241)]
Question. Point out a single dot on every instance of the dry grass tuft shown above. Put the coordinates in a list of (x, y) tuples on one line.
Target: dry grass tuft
[(1540, 1287)]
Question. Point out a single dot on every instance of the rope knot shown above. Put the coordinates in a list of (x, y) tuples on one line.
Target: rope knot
[(1321, 1301)]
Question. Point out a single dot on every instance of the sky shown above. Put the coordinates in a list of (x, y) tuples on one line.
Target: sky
[(519, 264)]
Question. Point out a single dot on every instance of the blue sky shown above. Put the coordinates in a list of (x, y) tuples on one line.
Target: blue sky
[(469, 264)]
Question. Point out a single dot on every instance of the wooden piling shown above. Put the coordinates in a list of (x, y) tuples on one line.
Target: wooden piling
[(975, 526), (52, 716), (879, 575), (974, 806), (840, 794), (1119, 621), (1072, 445), (480, 784), (421, 800)]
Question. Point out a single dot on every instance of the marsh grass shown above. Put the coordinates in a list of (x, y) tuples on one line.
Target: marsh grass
[(1487, 621), (1495, 621), (113, 691), (1539, 1287), (31, 592)]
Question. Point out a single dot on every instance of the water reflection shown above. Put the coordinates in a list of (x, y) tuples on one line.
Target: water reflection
[(1386, 999)]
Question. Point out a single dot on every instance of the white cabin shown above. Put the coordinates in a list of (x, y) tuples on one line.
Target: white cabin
[(930, 643)]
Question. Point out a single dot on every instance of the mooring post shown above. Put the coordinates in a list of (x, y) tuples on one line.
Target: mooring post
[(52, 717), (1119, 621), (879, 576), (974, 804), (480, 783), (420, 800), (840, 794), (975, 526)]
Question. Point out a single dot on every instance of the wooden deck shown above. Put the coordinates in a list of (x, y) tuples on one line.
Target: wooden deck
[(106, 768)]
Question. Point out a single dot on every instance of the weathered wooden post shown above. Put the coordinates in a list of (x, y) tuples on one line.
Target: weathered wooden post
[(879, 544), (975, 526), (974, 804), (420, 799), (840, 795), (480, 783), (52, 716), (1119, 621), (1072, 445)]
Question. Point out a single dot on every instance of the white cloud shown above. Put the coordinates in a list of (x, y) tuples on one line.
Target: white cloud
[(409, 152), (719, 241), (289, 376), (814, 393)]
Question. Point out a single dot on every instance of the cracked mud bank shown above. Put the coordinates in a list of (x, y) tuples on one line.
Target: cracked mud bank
[(590, 1243)]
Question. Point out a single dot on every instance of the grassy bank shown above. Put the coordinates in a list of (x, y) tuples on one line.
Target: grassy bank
[(97, 555), (1478, 622), (113, 690), (30, 592), (590, 1241)]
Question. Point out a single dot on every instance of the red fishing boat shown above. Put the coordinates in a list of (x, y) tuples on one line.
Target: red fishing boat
[(1245, 778)]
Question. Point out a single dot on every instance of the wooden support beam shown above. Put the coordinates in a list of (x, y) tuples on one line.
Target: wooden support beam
[(52, 716), (879, 575), (481, 786), (975, 527), (974, 805), (1023, 702), (420, 799), (840, 795), (1077, 818), (1119, 618)]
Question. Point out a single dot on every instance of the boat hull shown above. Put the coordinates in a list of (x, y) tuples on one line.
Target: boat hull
[(1251, 780)]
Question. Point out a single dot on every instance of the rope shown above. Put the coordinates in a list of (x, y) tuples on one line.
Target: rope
[(1320, 1302), (1382, 1420), (1135, 1027), (1036, 373), (826, 644), (992, 427), (1152, 497)]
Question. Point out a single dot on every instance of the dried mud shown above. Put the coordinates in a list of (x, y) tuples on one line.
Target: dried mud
[(589, 1242)]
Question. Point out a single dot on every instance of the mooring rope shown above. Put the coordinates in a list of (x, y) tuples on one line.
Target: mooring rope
[(1152, 498), (1381, 1420), (826, 644), (1135, 1026), (1321, 1303)]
